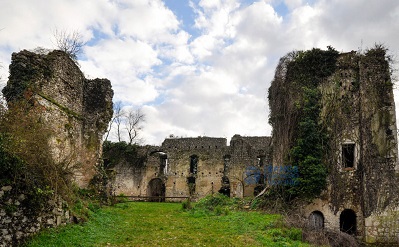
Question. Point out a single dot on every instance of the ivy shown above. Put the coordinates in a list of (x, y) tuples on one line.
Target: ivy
[(306, 71), (115, 153)]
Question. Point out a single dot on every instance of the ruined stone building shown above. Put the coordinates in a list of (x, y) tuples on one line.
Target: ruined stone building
[(48, 87), (356, 114), (346, 99), (75, 108), (196, 167)]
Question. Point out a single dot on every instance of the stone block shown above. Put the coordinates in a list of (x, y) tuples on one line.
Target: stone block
[(6, 188), (50, 221)]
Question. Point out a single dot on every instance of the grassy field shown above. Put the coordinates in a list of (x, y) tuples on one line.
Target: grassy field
[(166, 224)]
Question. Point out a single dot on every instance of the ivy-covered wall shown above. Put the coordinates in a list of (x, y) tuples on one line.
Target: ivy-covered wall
[(333, 116)]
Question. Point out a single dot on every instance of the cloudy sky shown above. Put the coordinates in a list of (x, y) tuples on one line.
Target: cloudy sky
[(196, 67)]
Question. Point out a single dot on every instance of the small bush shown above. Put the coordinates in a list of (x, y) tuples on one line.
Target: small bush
[(294, 234), (186, 205), (217, 204)]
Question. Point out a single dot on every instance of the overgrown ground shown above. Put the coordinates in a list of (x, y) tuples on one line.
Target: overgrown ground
[(166, 224)]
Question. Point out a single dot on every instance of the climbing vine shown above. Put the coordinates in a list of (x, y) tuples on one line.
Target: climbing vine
[(303, 72)]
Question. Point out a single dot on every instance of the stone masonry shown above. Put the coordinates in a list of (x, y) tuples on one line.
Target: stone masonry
[(358, 111), (77, 109), (196, 167)]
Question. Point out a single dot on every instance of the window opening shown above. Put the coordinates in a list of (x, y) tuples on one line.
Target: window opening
[(163, 168), (261, 160), (193, 164), (348, 155)]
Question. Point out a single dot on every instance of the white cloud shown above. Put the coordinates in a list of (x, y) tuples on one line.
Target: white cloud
[(147, 20), (211, 81)]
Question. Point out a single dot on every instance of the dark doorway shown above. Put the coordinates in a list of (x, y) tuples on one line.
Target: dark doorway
[(347, 221), (225, 189), (191, 185), (316, 220), (348, 155), (156, 190), (259, 188)]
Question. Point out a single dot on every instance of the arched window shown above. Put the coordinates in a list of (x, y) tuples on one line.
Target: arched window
[(316, 220), (347, 221)]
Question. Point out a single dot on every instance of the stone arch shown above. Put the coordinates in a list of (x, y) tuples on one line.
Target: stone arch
[(156, 190), (316, 220), (347, 221)]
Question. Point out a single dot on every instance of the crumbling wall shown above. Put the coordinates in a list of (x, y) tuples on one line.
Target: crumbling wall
[(233, 170), (17, 221), (77, 109), (357, 114)]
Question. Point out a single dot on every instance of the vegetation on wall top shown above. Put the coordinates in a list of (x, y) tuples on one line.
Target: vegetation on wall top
[(300, 74)]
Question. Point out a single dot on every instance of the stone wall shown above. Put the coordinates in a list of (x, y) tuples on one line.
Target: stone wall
[(76, 109), (17, 221), (233, 170), (76, 112), (358, 113)]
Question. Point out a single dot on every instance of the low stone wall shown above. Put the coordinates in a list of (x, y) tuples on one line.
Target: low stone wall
[(383, 227), (17, 222)]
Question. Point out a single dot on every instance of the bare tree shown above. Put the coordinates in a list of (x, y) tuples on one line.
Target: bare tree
[(118, 119), (134, 118), (69, 42), (125, 120)]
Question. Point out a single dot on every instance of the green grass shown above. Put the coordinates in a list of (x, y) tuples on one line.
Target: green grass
[(166, 224)]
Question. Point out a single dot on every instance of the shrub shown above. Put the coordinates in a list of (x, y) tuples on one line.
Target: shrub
[(186, 205), (217, 204)]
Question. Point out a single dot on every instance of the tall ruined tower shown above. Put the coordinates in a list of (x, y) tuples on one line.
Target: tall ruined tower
[(352, 112), (77, 110)]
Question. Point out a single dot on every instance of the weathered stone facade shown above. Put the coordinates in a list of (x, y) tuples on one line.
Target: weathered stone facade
[(76, 109), (196, 167), (17, 221), (358, 112)]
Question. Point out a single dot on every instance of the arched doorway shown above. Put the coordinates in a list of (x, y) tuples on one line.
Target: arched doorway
[(225, 189), (156, 190), (347, 221), (316, 220)]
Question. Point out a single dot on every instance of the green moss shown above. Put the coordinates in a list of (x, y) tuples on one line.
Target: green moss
[(68, 111)]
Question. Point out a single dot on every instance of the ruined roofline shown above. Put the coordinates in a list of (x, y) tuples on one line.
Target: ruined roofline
[(217, 142)]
